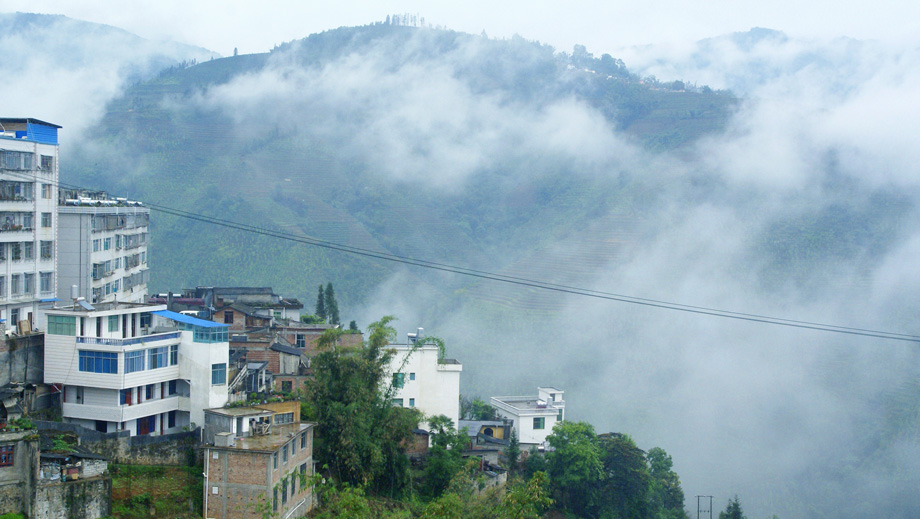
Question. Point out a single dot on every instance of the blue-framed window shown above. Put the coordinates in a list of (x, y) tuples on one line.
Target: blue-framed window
[(98, 361), (173, 354), (157, 357), (134, 361), (218, 374)]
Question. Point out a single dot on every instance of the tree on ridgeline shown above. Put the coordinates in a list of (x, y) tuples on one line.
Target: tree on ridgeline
[(320, 309), (332, 306), (733, 510)]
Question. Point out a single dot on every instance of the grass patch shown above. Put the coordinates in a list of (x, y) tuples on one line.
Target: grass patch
[(143, 491)]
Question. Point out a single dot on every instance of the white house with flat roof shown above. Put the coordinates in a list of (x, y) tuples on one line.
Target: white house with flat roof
[(533, 416), (135, 367), (425, 382), (28, 217)]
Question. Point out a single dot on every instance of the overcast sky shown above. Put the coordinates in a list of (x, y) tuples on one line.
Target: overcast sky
[(601, 25)]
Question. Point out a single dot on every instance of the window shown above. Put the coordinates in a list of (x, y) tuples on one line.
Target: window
[(284, 454), (146, 319), (156, 357), (283, 418), (116, 264), (398, 402), (300, 341), (411, 376), (113, 323), (28, 250), (293, 448), (134, 361), (411, 402), (539, 423), (46, 190), (107, 244), (2, 252), (6, 455), (28, 283), (47, 165), (27, 222), (275, 461), (97, 244), (125, 396), (62, 325), (286, 386), (148, 392), (16, 251), (228, 317), (16, 284), (173, 387), (47, 249), (174, 355), (303, 476), (46, 219), (14, 315), (98, 361), (115, 285), (44, 280), (171, 420), (218, 374), (399, 379), (2, 286), (284, 490), (303, 441)]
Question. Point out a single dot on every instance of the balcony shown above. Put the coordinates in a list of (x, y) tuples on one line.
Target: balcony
[(130, 341), (123, 413)]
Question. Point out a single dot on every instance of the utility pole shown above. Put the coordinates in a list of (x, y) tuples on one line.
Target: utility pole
[(698, 509)]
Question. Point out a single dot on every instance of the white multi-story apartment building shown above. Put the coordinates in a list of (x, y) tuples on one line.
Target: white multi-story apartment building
[(136, 367), (533, 416), (102, 247), (28, 216), (423, 381)]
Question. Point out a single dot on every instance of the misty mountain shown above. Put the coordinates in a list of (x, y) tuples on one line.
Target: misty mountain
[(65, 70), (419, 142)]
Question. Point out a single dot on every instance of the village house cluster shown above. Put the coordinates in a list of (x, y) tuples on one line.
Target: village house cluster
[(132, 374)]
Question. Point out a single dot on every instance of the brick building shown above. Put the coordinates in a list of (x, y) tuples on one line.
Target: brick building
[(259, 463)]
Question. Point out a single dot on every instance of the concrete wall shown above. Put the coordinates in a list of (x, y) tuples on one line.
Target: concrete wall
[(120, 447), (22, 359), (81, 499)]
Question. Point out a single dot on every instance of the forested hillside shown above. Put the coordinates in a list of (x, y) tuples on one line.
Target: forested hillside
[(268, 140)]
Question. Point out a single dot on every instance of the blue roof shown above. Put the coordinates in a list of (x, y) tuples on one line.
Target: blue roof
[(187, 319)]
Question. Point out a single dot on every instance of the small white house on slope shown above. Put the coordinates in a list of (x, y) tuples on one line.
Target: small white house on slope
[(422, 382), (533, 416)]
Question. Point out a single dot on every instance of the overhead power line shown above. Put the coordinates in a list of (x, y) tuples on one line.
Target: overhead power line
[(514, 280)]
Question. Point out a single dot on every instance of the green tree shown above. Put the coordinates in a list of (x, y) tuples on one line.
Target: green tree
[(311, 319), (332, 306), (477, 409), (527, 500), (625, 487), (353, 327), (320, 310), (667, 497), (733, 510), (445, 458), (535, 462), (512, 452), (362, 432), (574, 464)]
